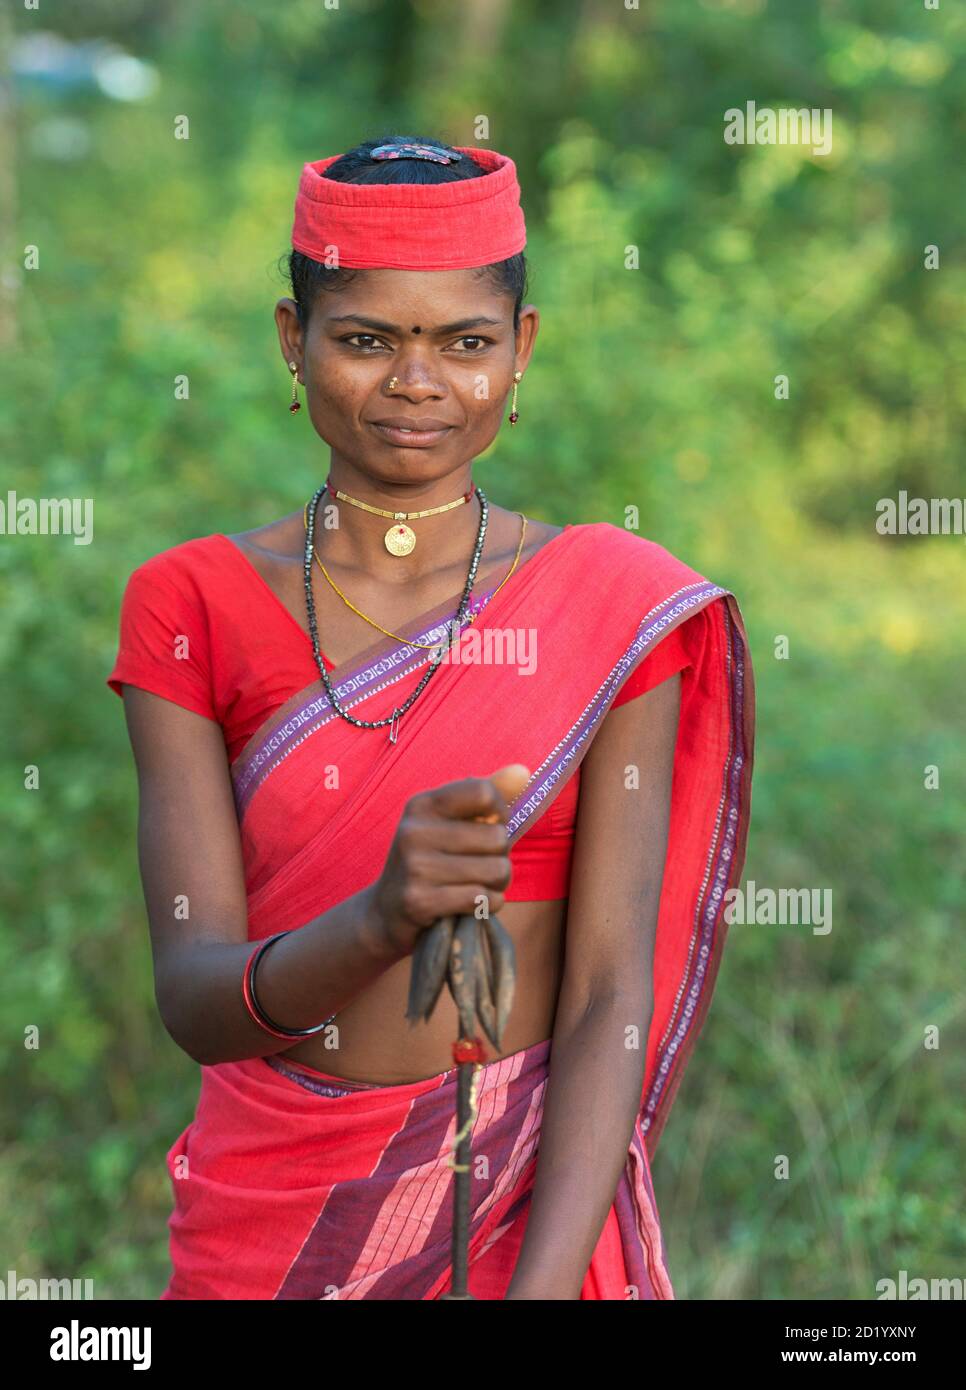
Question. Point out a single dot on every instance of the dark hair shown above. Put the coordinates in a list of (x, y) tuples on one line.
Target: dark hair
[(308, 276)]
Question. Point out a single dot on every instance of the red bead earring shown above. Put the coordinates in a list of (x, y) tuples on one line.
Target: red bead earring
[(296, 404), (514, 417)]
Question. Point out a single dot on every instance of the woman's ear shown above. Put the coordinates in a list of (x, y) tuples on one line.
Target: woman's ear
[(291, 338), (526, 335)]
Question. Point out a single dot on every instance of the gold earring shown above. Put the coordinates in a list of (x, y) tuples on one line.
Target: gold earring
[(296, 404), (393, 382), (514, 417)]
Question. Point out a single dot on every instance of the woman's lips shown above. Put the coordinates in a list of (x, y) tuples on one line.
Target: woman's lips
[(412, 439)]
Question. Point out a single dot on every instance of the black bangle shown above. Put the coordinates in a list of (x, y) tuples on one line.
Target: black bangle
[(262, 1015)]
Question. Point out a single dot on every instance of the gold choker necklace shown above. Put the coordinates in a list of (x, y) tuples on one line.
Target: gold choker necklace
[(429, 646), (411, 641), (401, 539)]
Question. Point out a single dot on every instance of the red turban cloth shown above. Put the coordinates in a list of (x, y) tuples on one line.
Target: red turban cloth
[(411, 226)]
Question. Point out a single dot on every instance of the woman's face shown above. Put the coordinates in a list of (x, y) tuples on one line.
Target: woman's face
[(446, 336)]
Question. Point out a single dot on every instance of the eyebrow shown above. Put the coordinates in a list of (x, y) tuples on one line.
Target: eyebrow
[(461, 326)]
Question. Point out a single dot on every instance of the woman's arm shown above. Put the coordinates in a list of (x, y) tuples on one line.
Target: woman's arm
[(440, 862), (600, 1031), (190, 857)]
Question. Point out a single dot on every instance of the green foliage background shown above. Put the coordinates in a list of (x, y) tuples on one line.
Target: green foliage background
[(651, 387)]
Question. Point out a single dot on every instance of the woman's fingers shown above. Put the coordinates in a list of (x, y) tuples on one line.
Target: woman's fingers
[(488, 798)]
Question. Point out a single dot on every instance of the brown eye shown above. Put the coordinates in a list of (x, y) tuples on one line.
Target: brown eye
[(369, 338)]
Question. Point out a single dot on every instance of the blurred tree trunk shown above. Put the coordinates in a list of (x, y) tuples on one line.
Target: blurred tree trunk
[(396, 36), (10, 262), (483, 24)]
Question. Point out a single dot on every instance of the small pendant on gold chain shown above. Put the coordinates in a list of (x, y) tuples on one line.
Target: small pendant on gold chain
[(400, 539)]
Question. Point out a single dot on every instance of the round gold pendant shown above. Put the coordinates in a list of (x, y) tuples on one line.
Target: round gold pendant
[(400, 539)]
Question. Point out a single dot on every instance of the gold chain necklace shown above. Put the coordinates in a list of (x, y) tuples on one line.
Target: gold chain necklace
[(401, 539), (427, 646)]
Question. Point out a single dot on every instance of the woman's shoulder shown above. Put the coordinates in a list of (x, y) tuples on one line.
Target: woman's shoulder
[(184, 563), (186, 584)]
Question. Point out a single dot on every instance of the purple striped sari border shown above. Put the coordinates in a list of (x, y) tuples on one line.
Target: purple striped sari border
[(709, 913), (638, 1144), (316, 711), (652, 626), (709, 861)]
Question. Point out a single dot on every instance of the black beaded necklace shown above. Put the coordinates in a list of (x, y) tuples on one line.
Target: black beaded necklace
[(394, 718)]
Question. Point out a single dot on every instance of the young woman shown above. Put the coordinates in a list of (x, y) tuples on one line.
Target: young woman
[(401, 702)]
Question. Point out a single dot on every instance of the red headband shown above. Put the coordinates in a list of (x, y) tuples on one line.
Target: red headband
[(411, 226)]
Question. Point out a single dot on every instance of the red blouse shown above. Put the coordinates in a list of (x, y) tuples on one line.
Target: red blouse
[(201, 627)]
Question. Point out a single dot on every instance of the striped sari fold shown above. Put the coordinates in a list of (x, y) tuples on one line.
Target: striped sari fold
[(356, 1196)]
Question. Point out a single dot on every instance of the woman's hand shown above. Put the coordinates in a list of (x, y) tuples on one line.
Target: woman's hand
[(449, 850)]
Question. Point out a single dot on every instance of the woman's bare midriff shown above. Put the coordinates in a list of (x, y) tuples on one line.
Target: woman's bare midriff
[(376, 1043)]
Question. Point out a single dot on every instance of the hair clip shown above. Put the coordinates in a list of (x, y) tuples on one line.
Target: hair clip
[(410, 150)]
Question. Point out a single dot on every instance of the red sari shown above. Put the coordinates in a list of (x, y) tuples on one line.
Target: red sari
[(301, 1185)]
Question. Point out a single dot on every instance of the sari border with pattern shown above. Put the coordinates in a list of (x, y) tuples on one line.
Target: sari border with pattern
[(723, 868), (312, 711)]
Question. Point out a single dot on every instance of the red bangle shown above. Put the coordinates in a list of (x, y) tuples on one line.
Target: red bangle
[(255, 1011)]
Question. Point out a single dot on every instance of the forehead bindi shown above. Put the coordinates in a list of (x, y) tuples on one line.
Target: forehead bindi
[(447, 302), (370, 324)]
